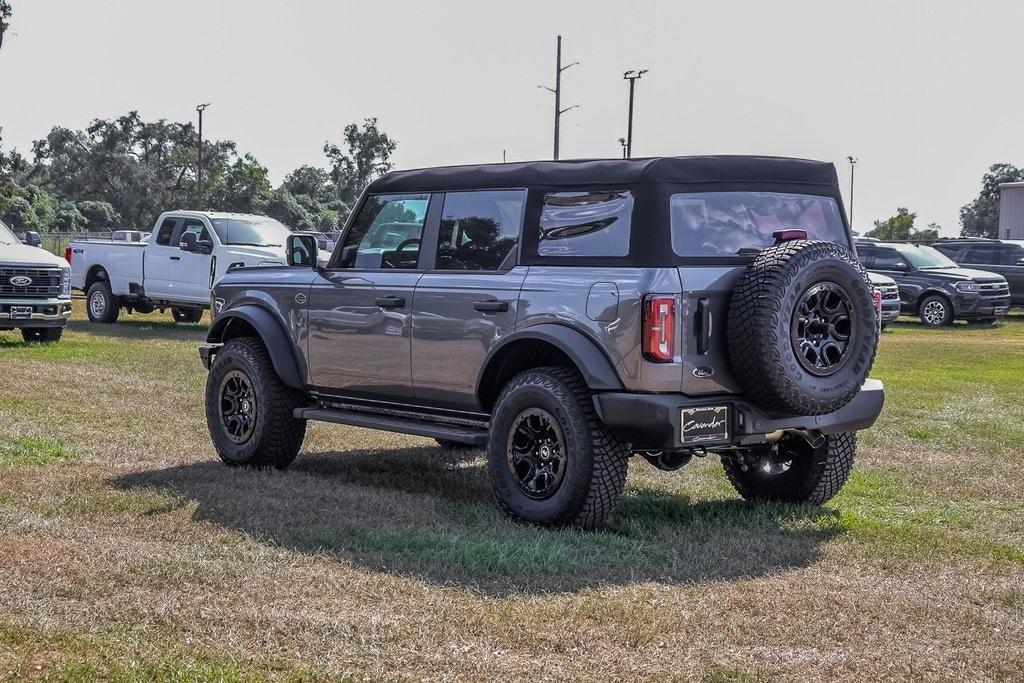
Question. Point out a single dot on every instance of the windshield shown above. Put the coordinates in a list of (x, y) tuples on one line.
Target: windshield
[(924, 257), (731, 223), (6, 236), (253, 231)]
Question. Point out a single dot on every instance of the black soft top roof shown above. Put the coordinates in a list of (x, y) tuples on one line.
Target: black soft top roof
[(726, 169)]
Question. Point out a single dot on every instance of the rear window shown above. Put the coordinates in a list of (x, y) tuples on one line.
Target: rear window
[(740, 223), (585, 223)]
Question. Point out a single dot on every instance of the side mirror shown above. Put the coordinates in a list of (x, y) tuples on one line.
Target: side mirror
[(33, 239), (901, 266), (301, 250), (1020, 262), (189, 242)]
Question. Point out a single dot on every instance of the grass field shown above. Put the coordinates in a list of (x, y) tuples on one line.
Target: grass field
[(127, 552)]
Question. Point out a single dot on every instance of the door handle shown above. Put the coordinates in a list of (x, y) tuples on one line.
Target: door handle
[(703, 326), (175, 258), (491, 306), (389, 301)]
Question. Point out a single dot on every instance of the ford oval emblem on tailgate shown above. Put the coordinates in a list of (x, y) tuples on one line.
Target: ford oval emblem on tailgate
[(20, 281), (703, 371)]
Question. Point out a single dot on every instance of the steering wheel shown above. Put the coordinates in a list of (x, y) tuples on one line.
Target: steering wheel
[(401, 247)]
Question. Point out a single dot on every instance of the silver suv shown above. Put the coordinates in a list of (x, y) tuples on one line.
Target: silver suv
[(35, 290), (567, 315)]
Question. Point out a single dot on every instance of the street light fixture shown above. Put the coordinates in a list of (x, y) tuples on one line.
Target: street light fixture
[(632, 76), (199, 168)]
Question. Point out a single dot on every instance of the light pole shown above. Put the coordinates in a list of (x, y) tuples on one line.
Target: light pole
[(558, 90), (631, 76), (199, 167), (853, 162)]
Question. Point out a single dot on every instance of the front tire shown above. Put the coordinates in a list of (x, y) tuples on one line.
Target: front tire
[(792, 471), (101, 304), (550, 459), (249, 410), (41, 334), (187, 315), (936, 311)]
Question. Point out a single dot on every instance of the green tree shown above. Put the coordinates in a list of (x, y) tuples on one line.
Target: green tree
[(368, 157), (901, 227), (980, 217), (98, 215)]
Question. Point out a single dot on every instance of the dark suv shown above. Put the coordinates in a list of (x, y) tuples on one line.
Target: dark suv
[(1001, 257), (566, 315), (935, 288)]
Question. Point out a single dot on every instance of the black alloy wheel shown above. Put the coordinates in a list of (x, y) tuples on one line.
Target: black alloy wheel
[(536, 453), (238, 406), (822, 325)]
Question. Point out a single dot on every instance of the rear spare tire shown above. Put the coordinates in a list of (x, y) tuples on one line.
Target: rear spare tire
[(802, 328)]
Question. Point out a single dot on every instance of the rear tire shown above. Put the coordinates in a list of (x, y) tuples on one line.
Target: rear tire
[(101, 304), (550, 459), (249, 410), (794, 472), (41, 334), (187, 315), (936, 311)]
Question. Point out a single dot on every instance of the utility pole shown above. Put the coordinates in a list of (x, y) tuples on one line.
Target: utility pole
[(632, 76), (853, 162), (199, 168), (557, 90)]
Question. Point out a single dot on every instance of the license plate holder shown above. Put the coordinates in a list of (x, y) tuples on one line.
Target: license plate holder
[(703, 425), (21, 312), (1000, 310)]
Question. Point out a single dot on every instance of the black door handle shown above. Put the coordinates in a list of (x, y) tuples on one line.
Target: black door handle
[(389, 301), (703, 331), (175, 258), (491, 306)]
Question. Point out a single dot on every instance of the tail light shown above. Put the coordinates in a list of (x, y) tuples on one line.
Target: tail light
[(659, 328), (67, 254)]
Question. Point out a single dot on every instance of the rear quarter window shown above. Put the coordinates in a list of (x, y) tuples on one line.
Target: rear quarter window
[(591, 224), (738, 223)]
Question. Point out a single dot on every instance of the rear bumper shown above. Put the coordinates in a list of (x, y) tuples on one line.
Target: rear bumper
[(45, 313), (653, 420)]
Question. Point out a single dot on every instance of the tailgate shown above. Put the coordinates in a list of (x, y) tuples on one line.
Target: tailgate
[(705, 306)]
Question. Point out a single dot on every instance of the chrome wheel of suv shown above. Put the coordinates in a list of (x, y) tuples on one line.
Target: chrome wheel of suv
[(821, 328), (238, 406), (536, 453), (934, 312)]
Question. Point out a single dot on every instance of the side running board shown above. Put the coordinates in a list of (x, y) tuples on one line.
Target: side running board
[(474, 436)]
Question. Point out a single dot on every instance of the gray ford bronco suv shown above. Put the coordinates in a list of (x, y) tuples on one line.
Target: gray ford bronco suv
[(566, 315)]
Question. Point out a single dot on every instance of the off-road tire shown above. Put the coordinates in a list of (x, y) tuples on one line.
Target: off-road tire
[(454, 445), (41, 334), (761, 313), (814, 477), (947, 311), (277, 435), (101, 304), (595, 473), (186, 315)]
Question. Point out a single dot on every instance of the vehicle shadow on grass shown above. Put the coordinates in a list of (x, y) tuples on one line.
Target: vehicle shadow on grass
[(428, 513), (143, 327)]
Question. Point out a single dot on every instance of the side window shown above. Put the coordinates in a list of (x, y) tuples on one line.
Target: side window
[(585, 223), (888, 259), (985, 253), (867, 257), (1012, 255), (198, 228), (386, 234), (480, 230), (163, 235)]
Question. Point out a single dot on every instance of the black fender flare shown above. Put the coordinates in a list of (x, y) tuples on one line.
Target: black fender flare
[(597, 371), (271, 332)]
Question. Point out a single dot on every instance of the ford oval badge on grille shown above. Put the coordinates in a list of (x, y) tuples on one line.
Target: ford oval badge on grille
[(20, 281)]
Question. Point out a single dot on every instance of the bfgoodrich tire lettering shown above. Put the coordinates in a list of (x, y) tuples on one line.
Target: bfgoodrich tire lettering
[(274, 438), (766, 338), (594, 475)]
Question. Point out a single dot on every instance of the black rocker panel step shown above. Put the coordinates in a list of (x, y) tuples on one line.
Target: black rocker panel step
[(473, 436)]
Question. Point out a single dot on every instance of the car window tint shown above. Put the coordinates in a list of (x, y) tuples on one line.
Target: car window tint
[(737, 223), (386, 234), (887, 259), (586, 223), (983, 253), (866, 256), (480, 230), (163, 236), (1011, 254)]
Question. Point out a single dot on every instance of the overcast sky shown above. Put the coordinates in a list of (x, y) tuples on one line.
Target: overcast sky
[(926, 94)]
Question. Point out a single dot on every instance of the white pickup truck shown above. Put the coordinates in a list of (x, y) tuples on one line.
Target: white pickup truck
[(176, 266)]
